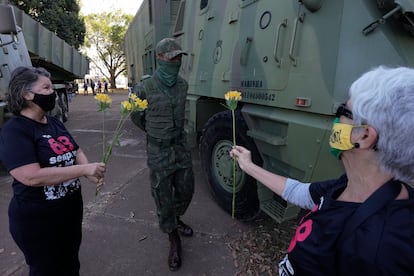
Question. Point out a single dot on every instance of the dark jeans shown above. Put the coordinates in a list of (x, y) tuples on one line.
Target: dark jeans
[(49, 234)]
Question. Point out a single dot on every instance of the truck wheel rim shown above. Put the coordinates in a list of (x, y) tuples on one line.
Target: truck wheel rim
[(222, 167)]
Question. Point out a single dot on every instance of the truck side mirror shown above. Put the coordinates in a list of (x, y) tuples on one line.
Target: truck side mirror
[(8, 25)]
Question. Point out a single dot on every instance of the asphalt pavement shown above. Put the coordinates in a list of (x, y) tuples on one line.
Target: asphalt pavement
[(120, 229)]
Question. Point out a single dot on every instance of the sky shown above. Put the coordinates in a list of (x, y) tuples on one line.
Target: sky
[(93, 6)]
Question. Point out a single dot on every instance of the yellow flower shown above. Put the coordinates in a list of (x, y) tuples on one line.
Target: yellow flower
[(104, 98), (233, 95), (126, 105), (133, 97), (141, 104), (104, 101)]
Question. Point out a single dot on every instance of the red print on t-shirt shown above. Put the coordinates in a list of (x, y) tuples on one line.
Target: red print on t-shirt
[(62, 145), (303, 231)]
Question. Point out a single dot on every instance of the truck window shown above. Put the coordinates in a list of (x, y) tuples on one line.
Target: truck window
[(147, 62), (8, 20), (150, 11), (203, 4), (245, 3), (179, 21)]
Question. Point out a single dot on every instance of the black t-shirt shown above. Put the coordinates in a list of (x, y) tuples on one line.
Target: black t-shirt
[(314, 249), (24, 141)]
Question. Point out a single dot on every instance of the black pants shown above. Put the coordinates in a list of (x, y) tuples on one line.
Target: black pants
[(49, 234)]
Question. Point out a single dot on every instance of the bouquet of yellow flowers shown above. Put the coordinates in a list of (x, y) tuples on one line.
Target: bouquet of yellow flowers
[(129, 106), (232, 98)]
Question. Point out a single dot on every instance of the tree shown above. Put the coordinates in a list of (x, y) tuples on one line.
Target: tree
[(104, 38), (59, 16)]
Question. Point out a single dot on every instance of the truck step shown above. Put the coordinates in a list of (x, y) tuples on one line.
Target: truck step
[(278, 211)]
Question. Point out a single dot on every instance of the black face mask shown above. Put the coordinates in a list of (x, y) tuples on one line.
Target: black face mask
[(45, 102)]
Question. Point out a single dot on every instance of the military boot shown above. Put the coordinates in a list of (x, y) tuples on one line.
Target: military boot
[(183, 228), (174, 256)]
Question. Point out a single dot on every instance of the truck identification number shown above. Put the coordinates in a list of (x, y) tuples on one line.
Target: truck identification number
[(256, 95)]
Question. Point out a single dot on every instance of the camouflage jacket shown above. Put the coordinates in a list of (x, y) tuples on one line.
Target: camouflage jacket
[(164, 117)]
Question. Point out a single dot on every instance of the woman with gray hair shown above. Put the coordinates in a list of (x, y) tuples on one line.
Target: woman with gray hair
[(45, 212), (363, 222)]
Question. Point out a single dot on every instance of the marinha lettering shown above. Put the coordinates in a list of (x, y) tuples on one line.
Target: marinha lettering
[(252, 83)]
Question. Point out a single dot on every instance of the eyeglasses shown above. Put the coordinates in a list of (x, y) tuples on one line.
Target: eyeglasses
[(343, 111)]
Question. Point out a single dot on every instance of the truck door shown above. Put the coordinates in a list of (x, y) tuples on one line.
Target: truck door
[(262, 45)]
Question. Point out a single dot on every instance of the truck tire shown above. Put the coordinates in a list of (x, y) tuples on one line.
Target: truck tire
[(215, 144)]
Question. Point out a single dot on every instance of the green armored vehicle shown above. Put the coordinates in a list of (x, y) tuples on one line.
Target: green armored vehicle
[(25, 42), (293, 62)]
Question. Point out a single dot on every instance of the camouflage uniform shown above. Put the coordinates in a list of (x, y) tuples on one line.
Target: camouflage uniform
[(168, 153)]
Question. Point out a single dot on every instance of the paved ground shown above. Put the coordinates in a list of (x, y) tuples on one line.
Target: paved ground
[(120, 232)]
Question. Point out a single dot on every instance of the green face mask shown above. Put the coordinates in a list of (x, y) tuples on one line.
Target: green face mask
[(340, 139), (168, 71)]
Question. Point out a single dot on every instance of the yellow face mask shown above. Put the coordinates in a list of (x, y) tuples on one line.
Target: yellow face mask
[(340, 139), (341, 136)]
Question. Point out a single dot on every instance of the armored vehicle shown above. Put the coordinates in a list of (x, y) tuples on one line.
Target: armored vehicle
[(25, 42), (293, 62)]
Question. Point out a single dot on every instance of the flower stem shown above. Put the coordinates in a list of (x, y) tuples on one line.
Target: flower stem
[(103, 133), (108, 151), (103, 144), (233, 203), (115, 137)]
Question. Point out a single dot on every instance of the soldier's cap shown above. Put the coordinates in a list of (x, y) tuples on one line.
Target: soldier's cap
[(169, 48)]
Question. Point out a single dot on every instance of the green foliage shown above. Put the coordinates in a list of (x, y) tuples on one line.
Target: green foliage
[(105, 35), (59, 16)]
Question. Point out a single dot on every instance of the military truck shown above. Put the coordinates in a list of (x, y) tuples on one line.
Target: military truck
[(25, 42), (293, 62)]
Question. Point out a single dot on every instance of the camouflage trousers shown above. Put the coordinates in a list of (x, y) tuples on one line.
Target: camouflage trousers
[(172, 180), (172, 193)]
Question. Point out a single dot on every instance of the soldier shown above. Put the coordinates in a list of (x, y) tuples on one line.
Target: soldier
[(168, 154)]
